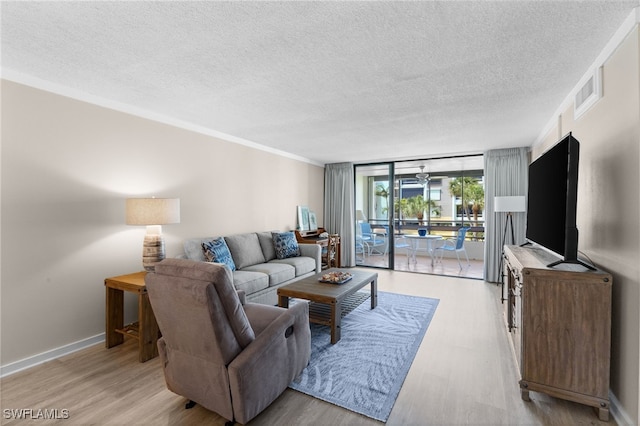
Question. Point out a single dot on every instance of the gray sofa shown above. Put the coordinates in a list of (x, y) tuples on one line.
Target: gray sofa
[(259, 272)]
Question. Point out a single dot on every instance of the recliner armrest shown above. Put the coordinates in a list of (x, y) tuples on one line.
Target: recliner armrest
[(264, 369), (242, 296)]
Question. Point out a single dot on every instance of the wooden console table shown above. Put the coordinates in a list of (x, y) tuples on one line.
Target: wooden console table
[(145, 330), (559, 322), (313, 237)]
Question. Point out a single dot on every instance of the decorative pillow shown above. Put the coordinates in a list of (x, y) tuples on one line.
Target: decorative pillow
[(285, 244), (217, 251), (245, 249)]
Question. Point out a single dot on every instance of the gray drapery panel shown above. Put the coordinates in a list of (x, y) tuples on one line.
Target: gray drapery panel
[(505, 174), (339, 208)]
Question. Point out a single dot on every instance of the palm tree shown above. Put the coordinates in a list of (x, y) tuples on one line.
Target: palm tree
[(383, 192), (416, 206), (470, 191)]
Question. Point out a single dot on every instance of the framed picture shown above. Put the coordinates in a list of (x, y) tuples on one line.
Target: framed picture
[(313, 223), (303, 218)]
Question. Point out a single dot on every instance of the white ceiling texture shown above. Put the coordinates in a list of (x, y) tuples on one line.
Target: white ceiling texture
[(323, 81)]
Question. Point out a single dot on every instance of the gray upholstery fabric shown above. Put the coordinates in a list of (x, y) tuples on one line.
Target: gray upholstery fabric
[(302, 265), (266, 242), (313, 251), (250, 281), (208, 354), (277, 272), (213, 284), (245, 249), (259, 287), (193, 248)]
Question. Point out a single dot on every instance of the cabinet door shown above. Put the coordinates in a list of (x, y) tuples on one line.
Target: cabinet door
[(566, 332), (513, 311)]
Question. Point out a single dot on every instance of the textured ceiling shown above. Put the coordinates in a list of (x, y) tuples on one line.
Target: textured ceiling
[(326, 81)]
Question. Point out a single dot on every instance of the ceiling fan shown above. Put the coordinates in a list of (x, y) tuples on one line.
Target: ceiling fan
[(422, 177)]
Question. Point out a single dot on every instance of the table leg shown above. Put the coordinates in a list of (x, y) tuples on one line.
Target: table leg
[(283, 301), (114, 310), (336, 316), (414, 248), (147, 329), (374, 293), (431, 251)]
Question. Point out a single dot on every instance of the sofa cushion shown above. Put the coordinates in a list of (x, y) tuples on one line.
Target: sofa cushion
[(193, 248), (245, 249), (266, 242), (250, 281), (302, 264), (277, 272), (285, 244), (217, 251)]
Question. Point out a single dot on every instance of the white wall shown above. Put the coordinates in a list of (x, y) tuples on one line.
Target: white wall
[(67, 167), (609, 205)]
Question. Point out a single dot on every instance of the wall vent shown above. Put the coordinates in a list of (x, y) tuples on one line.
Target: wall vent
[(588, 94)]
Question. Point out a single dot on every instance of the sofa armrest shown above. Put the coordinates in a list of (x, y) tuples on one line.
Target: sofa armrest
[(313, 251)]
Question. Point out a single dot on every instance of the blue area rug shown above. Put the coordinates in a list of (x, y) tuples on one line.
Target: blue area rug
[(365, 370)]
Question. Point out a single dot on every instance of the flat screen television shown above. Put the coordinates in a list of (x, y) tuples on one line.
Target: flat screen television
[(552, 201)]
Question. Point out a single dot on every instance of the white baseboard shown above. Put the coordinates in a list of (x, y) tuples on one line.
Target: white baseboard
[(32, 361), (619, 414)]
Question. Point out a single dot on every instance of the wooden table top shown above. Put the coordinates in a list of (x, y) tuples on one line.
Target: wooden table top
[(311, 288), (129, 282)]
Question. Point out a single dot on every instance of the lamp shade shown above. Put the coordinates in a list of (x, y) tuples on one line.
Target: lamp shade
[(512, 204), (152, 211)]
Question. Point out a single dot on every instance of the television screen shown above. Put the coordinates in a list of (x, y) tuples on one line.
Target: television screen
[(552, 199)]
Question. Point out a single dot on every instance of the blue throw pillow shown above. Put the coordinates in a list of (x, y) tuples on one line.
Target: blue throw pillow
[(285, 244), (217, 251)]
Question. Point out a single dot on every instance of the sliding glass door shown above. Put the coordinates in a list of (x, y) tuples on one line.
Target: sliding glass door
[(404, 210), (374, 215)]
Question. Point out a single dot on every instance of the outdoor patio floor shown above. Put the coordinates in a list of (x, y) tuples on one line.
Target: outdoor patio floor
[(447, 266)]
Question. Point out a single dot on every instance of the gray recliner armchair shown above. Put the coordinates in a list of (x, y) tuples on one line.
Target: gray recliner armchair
[(231, 357)]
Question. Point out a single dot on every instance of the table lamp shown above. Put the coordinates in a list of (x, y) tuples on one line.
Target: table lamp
[(152, 212)]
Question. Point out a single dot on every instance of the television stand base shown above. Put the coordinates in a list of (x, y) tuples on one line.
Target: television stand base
[(575, 262)]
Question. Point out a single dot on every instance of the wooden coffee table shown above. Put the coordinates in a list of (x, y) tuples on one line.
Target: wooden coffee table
[(330, 302)]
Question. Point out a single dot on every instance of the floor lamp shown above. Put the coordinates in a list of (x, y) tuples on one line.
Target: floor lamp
[(510, 205)]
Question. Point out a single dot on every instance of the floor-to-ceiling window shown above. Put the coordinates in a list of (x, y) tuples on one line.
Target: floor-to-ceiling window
[(374, 214), (406, 210)]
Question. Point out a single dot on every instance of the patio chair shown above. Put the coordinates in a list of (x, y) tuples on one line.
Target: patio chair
[(374, 241), (401, 243), (455, 245), (360, 249)]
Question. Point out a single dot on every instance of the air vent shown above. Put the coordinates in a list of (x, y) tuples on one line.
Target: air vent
[(588, 94), (583, 94)]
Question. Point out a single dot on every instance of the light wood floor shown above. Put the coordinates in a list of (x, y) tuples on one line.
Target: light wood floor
[(463, 374)]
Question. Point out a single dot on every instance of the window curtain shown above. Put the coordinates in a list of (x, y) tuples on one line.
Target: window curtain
[(339, 208), (506, 174)]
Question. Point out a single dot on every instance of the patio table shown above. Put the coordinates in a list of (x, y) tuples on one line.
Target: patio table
[(414, 242)]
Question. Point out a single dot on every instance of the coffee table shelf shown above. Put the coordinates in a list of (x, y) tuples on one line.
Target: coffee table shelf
[(320, 313), (330, 302)]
